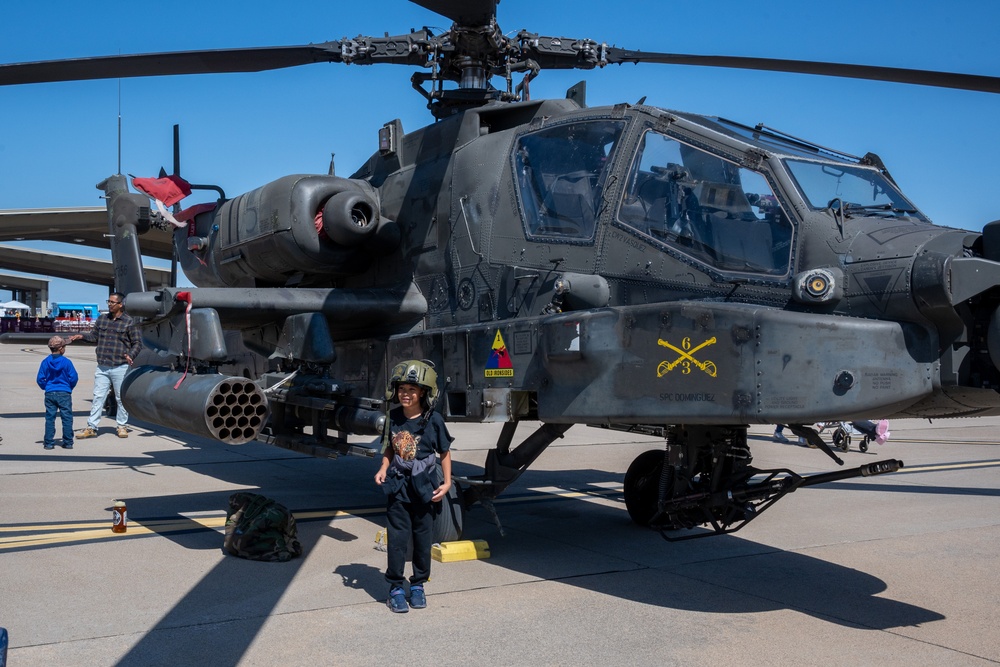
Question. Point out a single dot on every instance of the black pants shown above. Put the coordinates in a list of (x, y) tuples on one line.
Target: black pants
[(866, 427), (406, 520)]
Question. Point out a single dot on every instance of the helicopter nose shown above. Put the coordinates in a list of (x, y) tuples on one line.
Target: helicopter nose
[(991, 240)]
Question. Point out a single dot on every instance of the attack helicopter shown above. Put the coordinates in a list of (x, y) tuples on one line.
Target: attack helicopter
[(624, 266)]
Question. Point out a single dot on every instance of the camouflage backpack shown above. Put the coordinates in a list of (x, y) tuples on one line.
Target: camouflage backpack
[(260, 528)]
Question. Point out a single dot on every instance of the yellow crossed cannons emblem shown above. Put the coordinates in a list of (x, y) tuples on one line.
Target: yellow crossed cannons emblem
[(686, 358)]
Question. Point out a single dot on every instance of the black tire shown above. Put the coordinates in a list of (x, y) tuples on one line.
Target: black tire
[(642, 486), (863, 445), (842, 439)]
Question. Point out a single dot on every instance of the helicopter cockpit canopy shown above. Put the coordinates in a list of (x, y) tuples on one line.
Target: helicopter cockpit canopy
[(705, 207), (561, 172), (856, 190), (829, 178)]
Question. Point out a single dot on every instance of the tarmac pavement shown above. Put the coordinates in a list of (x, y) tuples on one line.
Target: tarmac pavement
[(897, 569)]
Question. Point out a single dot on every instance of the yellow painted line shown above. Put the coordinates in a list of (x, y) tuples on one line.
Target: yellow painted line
[(78, 536), (55, 534), (52, 534), (41, 535), (56, 526), (169, 524)]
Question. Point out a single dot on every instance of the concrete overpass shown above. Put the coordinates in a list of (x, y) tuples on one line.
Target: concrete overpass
[(86, 225), (33, 292), (72, 267)]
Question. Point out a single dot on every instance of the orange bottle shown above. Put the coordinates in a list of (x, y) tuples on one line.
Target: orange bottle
[(119, 517)]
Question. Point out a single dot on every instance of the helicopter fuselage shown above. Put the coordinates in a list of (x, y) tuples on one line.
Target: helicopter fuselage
[(626, 267), (608, 265)]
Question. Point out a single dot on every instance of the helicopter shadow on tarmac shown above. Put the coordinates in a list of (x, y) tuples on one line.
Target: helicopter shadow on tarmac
[(720, 575), (573, 541), (724, 575), (223, 634), (589, 545)]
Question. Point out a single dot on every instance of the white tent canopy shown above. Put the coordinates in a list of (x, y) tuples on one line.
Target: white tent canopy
[(15, 305)]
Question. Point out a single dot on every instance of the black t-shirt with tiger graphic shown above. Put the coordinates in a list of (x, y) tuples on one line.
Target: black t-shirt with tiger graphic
[(412, 441)]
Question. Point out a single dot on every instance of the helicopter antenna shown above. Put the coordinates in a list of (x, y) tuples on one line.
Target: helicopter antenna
[(177, 150), (119, 126)]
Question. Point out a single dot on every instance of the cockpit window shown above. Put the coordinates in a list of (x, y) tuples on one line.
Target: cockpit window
[(706, 207), (855, 190), (560, 176)]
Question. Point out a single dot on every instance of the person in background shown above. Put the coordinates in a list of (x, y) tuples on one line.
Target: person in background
[(877, 432), (118, 343), (57, 377)]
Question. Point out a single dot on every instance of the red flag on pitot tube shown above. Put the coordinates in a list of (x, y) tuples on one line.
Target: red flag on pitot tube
[(168, 189)]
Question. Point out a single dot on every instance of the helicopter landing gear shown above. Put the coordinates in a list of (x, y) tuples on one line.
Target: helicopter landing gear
[(685, 485), (504, 464), (704, 478), (642, 486)]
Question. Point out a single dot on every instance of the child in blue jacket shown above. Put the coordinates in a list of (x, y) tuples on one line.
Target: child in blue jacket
[(57, 377)]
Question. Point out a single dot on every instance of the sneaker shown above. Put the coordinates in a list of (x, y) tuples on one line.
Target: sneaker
[(89, 432), (417, 598), (397, 601), (69, 446), (50, 446), (779, 437), (122, 432)]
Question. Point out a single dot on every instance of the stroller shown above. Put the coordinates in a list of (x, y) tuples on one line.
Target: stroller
[(869, 431)]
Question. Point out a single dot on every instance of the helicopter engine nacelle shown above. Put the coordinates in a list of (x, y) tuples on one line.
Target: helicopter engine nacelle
[(298, 226)]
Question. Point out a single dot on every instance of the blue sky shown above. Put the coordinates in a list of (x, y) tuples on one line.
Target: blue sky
[(243, 130)]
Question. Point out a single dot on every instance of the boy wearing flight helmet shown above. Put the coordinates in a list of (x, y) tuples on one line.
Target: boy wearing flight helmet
[(414, 433)]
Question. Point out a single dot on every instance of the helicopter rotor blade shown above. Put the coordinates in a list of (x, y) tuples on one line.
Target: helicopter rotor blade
[(161, 64), (464, 12), (986, 84), (569, 53), (419, 47)]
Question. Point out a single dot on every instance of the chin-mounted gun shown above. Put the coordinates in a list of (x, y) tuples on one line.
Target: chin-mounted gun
[(727, 511)]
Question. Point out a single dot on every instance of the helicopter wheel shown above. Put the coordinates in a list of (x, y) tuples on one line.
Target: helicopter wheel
[(642, 486), (863, 445), (450, 519), (842, 439)]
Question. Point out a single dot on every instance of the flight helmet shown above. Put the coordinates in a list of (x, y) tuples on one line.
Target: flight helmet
[(419, 372)]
